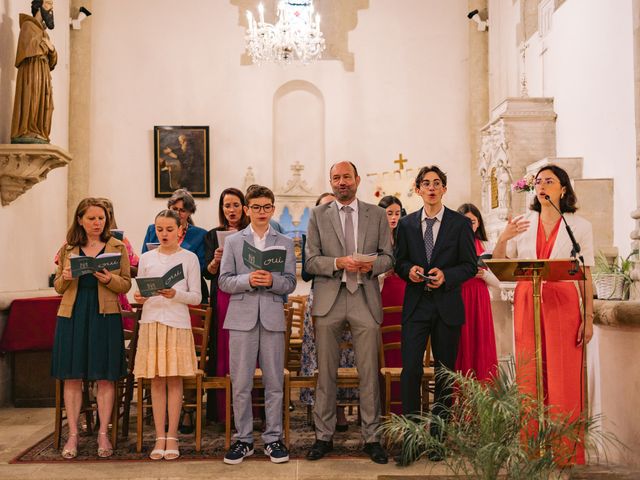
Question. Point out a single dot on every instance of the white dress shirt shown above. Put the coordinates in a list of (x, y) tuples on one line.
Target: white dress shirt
[(173, 312), (436, 225), (260, 242)]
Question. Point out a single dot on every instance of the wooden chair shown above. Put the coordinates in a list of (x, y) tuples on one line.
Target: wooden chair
[(297, 305), (346, 378), (200, 325), (126, 385), (123, 390), (392, 374)]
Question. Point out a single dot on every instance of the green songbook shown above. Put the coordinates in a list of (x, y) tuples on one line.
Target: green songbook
[(149, 286), (271, 259), (83, 265)]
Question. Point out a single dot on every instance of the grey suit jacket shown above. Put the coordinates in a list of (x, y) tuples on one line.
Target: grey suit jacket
[(325, 242), (247, 304)]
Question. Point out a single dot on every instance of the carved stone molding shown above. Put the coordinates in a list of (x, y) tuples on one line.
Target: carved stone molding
[(22, 166), (507, 289), (296, 195)]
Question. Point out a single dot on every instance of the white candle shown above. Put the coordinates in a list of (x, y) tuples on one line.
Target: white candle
[(318, 22), (261, 12), (249, 21)]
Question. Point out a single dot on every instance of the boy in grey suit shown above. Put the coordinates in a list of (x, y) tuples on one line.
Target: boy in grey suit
[(256, 324)]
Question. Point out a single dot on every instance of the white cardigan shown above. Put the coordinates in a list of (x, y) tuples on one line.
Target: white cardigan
[(524, 244)]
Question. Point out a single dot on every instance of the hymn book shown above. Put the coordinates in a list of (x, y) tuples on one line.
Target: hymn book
[(270, 259), (149, 286), (83, 265), (118, 234)]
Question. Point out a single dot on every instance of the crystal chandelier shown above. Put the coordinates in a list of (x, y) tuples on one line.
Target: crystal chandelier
[(296, 36)]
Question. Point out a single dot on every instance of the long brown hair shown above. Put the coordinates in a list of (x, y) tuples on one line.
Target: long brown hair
[(76, 236), (480, 232), (244, 220)]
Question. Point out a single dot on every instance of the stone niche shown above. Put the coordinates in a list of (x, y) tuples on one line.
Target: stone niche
[(521, 132), (22, 166)]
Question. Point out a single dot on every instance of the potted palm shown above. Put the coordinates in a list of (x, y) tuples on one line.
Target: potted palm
[(612, 278), (489, 434)]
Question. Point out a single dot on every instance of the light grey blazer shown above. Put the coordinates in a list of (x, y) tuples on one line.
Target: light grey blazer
[(248, 304), (325, 242)]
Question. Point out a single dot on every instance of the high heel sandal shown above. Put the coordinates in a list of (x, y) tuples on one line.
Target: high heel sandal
[(173, 453), (157, 453), (70, 453), (104, 452)]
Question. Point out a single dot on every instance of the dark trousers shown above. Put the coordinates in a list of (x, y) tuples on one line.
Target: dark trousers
[(425, 322)]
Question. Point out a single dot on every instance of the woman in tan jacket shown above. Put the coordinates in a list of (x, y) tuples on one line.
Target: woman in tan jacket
[(89, 343)]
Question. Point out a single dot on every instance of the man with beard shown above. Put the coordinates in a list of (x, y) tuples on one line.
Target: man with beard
[(346, 290), (35, 58)]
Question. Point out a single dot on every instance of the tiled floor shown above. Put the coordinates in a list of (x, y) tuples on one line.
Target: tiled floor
[(21, 428)]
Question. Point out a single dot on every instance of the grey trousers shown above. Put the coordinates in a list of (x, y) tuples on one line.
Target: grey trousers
[(244, 350), (350, 308)]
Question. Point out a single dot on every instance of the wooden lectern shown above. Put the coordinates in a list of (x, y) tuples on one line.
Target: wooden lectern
[(534, 270)]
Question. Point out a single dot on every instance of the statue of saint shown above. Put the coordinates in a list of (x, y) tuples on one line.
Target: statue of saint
[(35, 58)]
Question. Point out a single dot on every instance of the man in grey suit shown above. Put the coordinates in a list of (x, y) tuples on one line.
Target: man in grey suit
[(256, 324), (346, 290)]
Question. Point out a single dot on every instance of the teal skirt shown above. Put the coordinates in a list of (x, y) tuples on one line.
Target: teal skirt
[(89, 345)]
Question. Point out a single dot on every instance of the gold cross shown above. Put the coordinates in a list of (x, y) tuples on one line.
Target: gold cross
[(401, 161)]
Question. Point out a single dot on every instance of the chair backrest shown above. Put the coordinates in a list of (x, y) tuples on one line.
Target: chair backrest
[(298, 305), (390, 338), (130, 326), (200, 326), (288, 318)]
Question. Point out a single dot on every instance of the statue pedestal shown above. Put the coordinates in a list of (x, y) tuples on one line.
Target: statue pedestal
[(24, 165)]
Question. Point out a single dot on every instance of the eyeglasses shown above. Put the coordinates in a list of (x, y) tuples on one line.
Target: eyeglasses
[(545, 181), (266, 208), (436, 184), (179, 210)]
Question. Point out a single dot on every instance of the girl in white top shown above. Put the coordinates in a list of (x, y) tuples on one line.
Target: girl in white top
[(166, 351)]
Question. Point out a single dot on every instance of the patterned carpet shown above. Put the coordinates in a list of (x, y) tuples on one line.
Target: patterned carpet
[(347, 444)]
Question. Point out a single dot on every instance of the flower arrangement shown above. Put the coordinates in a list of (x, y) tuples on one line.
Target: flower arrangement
[(524, 185)]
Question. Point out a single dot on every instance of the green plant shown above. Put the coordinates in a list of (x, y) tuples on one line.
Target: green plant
[(493, 432), (618, 266)]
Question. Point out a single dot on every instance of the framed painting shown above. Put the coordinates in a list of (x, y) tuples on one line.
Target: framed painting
[(181, 160)]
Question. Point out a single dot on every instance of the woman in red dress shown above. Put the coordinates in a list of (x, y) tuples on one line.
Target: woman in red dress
[(477, 348), (540, 234), (392, 295)]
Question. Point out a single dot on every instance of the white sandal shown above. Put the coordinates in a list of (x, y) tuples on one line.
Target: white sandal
[(157, 453), (171, 454)]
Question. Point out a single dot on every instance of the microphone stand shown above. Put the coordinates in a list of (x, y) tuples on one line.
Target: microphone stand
[(578, 259)]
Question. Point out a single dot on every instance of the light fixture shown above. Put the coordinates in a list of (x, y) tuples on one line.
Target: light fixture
[(294, 38), (82, 14), (476, 16)]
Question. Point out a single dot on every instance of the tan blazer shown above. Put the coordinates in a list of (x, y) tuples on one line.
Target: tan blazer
[(325, 242), (107, 294)]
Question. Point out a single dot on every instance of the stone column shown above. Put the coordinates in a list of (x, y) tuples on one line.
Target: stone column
[(478, 93), (635, 234), (79, 110)]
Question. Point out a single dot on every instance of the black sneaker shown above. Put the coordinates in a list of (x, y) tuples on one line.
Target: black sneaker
[(238, 451), (277, 452)]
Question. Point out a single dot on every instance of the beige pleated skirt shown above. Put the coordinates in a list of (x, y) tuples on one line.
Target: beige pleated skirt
[(165, 351)]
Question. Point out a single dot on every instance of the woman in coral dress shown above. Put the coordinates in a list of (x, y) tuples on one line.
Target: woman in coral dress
[(477, 348), (541, 235)]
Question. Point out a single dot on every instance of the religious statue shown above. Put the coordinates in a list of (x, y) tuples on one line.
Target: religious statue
[(35, 58), (504, 185)]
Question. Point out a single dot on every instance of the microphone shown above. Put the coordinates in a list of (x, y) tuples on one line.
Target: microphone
[(576, 246)]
